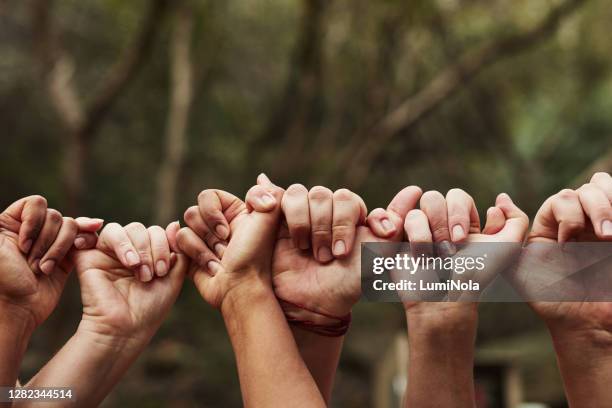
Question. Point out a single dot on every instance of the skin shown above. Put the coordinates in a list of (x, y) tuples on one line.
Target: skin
[(309, 267), (122, 309), (581, 331), (34, 244), (442, 334), (238, 281)]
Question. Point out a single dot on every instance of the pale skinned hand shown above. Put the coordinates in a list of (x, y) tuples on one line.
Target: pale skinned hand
[(582, 215), (129, 281), (230, 243), (326, 279), (454, 219), (35, 242)]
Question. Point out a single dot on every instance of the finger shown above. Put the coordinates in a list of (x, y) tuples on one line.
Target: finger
[(433, 204), (140, 238), (320, 200), (347, 213), (195, 248), (60, 247), (85, 240), (48, 234), (260, 200), (598, 208), (463, 217), (160, 250), (604, 182), (517, 221), (86, 224), (419, 234), (495, 221), (171, 232), (296, 208), (212, 204), (193, 219), (568, 213), (402, 203), (31, 212), (114, 239), (380, 224), (264, 181)]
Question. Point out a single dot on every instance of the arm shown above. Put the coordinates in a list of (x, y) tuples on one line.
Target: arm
[(15, 333), (121, 312), (321, 354), (269, 364), (581, 331), (441, 357), (90, 363)]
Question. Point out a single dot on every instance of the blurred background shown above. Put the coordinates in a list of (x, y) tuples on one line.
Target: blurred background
[(125, 110)]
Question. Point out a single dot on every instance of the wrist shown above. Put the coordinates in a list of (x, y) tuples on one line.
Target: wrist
[(110, 340), (17, 322), (244, 296), (443, 318)]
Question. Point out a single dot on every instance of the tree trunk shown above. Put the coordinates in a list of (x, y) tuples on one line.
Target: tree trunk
[(178, 118)]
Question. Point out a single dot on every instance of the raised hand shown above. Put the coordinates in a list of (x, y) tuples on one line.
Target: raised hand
[(581, 330), (321, 280), (218, 267), (442, 334), (34, 244), (129, 280), (231, 244)]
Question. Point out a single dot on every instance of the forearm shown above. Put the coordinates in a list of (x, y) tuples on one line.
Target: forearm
[(270, 367), (441, 358), (321, 355), (585, 363), (15, 333), (90, 364)]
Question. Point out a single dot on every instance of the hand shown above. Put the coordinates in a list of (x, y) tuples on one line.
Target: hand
[(129, 280), (326, 279), (583, 215), (218, 269), (34, 244), (454, 220)]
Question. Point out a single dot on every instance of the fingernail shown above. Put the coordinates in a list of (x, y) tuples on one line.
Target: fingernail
[(339, 248), (27, 246), (324, 254), (213, 267), (222, 231), (132, 258), (97, 220), (145, 273), (48, 267), (388, 225), (219, 249), (80, 243), (458, 233), (303, 243), (36, 265), (161, 268), (268, 199), (446, 249), (606, 228)]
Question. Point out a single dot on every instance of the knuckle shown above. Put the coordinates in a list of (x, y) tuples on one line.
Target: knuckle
[(38, 200), (572, 224), (377, 213), (156, 229), (320, 193), (299, 227), (343, 194), (431, 196), (566, 194), (341, 229), (295, 189), (136, 226), (205, 194), (190, 213), (414, 214), (456, 192), (54, 216), (600, 175)]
